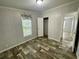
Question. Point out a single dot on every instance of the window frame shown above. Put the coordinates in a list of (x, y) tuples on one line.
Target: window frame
[(27, 18)]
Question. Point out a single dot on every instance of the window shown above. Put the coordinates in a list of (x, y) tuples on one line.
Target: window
[(68, 24), (26, 25)]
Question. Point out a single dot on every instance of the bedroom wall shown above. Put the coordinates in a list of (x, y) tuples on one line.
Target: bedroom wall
[(56, 17), (11, 33)]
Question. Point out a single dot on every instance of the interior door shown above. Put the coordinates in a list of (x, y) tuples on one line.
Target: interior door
[(40, 27)]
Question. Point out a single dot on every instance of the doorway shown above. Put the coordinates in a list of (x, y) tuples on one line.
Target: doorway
[(45, 26)]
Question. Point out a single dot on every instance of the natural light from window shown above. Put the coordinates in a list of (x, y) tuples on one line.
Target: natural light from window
[(27, 26)]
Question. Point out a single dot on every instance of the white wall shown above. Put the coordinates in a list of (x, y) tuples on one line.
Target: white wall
[(11, 33), (56, 17)]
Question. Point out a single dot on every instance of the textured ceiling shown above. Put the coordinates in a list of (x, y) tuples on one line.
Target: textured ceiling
[(31, 4)]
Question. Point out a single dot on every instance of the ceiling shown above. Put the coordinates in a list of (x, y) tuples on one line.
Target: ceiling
[(31, 4)]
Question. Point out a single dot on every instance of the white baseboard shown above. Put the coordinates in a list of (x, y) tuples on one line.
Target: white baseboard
[(17, 44)]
